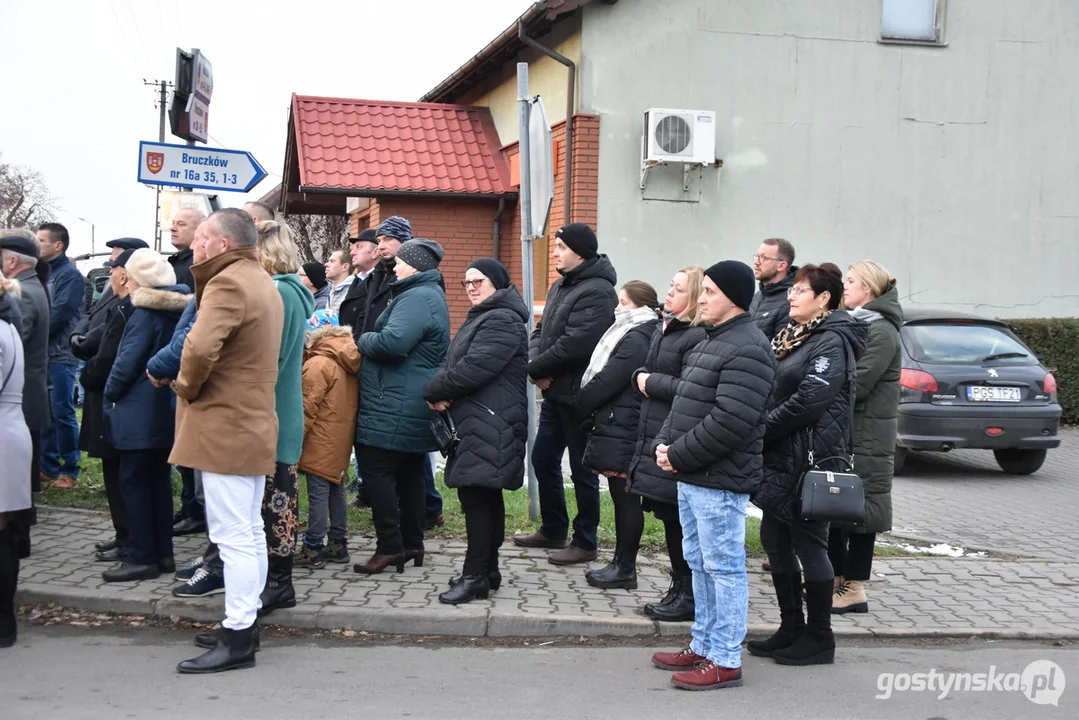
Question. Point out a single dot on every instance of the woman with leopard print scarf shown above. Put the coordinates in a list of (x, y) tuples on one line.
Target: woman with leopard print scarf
[(809, 410)]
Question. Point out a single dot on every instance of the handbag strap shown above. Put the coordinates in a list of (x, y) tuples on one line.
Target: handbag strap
[(14, 357)]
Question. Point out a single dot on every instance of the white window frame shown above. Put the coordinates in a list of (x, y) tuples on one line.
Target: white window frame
[(940, 10)]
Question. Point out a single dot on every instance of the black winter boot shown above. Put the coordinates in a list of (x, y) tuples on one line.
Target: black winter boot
[(816, 646), (678, 605), (620, 573), (469, 588), (209, 639), (234, 649), (279, 592), (792, 623)]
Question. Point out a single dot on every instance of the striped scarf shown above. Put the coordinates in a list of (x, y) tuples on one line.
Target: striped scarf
[(623, 322)]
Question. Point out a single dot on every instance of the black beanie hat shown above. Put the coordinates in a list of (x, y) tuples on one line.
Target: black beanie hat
[(579, 238), (316, 273), (736, 281), (492, 270)]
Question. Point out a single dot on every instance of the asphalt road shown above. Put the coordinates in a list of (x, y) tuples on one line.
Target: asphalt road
[(61, 672)]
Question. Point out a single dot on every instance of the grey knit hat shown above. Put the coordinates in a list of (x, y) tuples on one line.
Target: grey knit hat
[(421, 253), (396, 227)]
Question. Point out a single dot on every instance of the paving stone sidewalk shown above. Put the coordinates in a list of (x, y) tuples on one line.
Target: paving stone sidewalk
[(909, 597)]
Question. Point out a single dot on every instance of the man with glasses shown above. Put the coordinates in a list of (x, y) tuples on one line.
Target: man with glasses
[(774, 269)]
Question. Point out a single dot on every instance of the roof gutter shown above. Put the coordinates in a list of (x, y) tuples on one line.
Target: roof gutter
[(375, 193), (570, 83)]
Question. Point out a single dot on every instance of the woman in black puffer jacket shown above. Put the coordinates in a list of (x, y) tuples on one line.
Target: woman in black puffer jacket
[(482, 385), (611, 406), (657, 381), (810, 408)]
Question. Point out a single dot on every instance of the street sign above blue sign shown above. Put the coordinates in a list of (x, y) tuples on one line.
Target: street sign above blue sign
[(198, 167)]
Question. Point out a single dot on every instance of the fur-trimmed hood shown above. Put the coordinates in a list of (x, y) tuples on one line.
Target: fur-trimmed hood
[(170, 299), (334, 342)]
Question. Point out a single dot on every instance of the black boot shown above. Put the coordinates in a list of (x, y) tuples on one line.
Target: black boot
[(619, 574), (279, 592), (208, 640), (470, 588), (234, 649), (9, 576), (816, 646), (678, 606), (494, 579), (792, 623)]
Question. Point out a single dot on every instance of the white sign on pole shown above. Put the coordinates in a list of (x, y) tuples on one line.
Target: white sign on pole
[(198, 112), (198, 167), (203, 84), (541, 170)]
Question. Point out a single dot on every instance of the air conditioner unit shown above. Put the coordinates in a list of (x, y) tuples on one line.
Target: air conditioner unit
[(679, 136)]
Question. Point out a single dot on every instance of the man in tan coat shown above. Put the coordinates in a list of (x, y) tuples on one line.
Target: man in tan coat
[(226, 422)]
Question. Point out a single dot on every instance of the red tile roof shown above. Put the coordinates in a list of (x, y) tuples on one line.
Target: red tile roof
[(375, 147)]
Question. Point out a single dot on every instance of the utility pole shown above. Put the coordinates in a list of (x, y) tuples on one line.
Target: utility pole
[(162, 107), (524, 106)]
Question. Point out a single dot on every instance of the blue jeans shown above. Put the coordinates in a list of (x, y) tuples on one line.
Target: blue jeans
[(557, 430), (60, 442), (432, 500), (714, 542)]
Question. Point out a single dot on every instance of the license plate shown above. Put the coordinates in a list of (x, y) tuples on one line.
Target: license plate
[(981, 393)]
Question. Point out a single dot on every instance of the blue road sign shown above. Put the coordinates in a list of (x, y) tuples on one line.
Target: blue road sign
[(198, 167)]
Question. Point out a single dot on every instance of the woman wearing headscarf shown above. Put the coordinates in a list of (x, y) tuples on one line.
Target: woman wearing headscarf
[(871, 296), (482, 386), (16, 450), (140, 419), (280, 258), (393, 434), (808, 416), (611, 408), (657, 381)]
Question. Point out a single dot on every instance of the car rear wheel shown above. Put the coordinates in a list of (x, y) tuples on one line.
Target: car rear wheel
[(900, 460), (1020, 462)]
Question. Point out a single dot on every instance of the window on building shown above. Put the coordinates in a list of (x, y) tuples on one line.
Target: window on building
[(912, 21)]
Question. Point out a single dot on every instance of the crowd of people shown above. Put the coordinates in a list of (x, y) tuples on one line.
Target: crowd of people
[(235, 363)]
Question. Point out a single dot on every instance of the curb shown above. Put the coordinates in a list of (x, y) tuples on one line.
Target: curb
[(465, 620)]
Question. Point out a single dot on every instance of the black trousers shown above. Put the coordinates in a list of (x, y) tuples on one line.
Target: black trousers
[(628, 522), (189, 503), (110, 468), (786, 545), (394, 485), (146, 485), (558, 431), (485, 525), (667, 513), (851, 553), (9, 574)]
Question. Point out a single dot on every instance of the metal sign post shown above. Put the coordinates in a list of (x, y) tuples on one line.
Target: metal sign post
[(524, 110)]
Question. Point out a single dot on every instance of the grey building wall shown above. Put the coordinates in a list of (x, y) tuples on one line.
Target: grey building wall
[(956, 167)]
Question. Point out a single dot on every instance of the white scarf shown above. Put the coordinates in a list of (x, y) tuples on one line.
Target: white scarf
[(623, 323)]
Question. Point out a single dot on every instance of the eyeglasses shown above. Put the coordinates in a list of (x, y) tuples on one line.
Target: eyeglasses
[(466, 284), (797, 290), (762, 258)]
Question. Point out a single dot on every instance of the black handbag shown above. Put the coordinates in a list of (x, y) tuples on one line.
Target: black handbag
[(827, 495), (445, 432)]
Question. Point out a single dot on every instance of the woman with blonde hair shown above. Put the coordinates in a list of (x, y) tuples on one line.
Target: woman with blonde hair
[(656, 381), (280, 258), (871, 296)]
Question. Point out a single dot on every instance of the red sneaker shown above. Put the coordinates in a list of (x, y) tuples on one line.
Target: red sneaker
[(708, 676), (682, 660)]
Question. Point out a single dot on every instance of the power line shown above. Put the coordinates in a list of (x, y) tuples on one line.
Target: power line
[(142, 43), (127, 44)]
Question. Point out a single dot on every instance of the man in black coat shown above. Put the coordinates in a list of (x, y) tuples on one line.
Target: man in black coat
[(88, 333), (363, 249), (579, 309), (774, 269), (184, 224), (713, 442)]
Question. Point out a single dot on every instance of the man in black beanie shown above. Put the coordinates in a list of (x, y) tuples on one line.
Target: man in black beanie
[(713, 441), (313, 277), (579, 309)]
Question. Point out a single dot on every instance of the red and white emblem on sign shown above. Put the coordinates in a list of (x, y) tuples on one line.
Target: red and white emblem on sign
[(155, 161)]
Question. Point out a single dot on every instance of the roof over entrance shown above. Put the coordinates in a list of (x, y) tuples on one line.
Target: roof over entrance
[(374, 148)]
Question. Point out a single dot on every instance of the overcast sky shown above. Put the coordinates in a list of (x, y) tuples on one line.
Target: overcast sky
[(75, 106)]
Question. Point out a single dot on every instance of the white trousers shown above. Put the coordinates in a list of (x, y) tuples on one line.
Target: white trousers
[(234, 518)]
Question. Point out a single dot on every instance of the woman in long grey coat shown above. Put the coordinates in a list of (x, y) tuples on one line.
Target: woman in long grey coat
[(482, 386), (871, 296), (15, 451)]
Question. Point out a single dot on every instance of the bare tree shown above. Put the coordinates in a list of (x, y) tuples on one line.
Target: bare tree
[(318, 235), (24, 197)]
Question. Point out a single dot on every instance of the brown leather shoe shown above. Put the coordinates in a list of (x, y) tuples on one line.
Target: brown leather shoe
[(684, 659), (65, 482), (46, 480), (539, 540), (572, 555), (378, 563), (708, 676)]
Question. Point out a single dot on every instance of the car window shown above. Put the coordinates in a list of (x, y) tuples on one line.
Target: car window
[(964, 344)]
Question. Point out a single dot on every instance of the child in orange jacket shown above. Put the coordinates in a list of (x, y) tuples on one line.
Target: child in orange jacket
[(330, 397)]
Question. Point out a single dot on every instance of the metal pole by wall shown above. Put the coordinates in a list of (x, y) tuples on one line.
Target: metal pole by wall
[(160, 138), (524, 109)]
